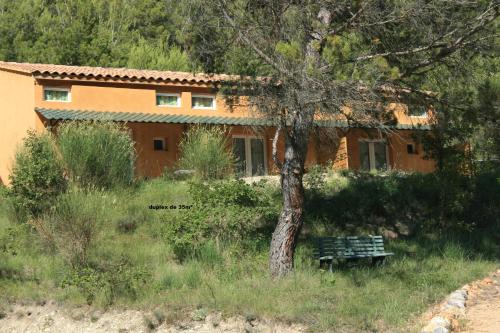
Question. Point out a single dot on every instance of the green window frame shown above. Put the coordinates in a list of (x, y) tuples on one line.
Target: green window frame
[(203, 102), (169, 100), (51, 94)]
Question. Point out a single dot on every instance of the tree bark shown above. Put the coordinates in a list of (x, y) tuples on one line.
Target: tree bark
[(285, 235)]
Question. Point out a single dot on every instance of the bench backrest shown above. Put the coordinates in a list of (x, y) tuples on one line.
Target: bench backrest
[(350, 246)]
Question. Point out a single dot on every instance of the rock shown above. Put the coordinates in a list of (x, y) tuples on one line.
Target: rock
[(453, 312), (404, 229), (440, 321), (2, 315), (250, 329), (457, 297), (389, 234), (488, 281), (456, 303), (433, 328), (460, 293)]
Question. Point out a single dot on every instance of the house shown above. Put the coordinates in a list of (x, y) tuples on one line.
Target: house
[(159, 106)]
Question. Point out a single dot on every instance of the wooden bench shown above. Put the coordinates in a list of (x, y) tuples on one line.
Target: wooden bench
[(329, 248)]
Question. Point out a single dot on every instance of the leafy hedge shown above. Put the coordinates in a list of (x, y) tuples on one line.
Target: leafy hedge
[(227, 211), (37, 176)]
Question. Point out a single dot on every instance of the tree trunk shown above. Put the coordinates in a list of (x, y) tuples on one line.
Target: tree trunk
[(290, 221)]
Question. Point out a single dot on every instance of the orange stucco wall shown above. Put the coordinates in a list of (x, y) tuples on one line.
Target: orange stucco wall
[(150, 162), (343, 154), (397, 141), (409, 162), (131, 98), (22, 93), (16, 110)]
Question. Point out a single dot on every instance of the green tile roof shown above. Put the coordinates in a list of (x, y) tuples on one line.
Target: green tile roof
[(56, 114)]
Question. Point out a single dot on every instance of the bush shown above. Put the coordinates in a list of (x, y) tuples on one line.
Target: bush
[(205, 150), (407, 201), (483, 208), (74, 225), (37, 177), (97, 154), (108, 280), (227, 211), (226, 193), (315, 180)]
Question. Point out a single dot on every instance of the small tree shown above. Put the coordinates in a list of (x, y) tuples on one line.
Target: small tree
[(205, 150), (99, 154), (335, 60), (37, 176)]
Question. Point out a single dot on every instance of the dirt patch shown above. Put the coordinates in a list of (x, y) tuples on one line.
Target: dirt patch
[(483, 306), (52, 317)]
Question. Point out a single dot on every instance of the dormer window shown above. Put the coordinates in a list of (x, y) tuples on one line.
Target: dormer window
[(203, 102), (419, 111), (172, 100), (51, 94)]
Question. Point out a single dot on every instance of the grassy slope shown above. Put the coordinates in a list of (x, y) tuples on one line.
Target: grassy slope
[(361, 298)]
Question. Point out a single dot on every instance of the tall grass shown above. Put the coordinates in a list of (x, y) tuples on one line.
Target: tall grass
[(205, 150), (75, 224), (98, 154)]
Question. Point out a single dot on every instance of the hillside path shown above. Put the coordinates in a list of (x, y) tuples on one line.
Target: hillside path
[(483, 307)]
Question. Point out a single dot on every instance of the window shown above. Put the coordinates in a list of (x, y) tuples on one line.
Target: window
[(250, 156), (373, 155), (418, 111), (159, 144), (203, 102), (410, 148), (173, 100), (57, 94)]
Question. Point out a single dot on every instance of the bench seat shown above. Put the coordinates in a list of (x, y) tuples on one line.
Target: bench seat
[(352, 247)]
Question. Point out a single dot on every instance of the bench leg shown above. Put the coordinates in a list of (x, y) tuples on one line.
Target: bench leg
[(378, 261), (330, 264)]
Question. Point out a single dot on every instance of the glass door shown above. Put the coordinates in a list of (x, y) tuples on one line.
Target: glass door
[(239, 152), (373, 155), (380, 158), (257, 152), (249, 153)]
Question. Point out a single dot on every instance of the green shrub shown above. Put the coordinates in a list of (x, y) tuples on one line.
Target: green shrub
[(75, 224), (407, 202), (37, 176), (225, 193), (97, 154), (205, 151), (107, 281), (483, 208), (227, 211), (315, 180)]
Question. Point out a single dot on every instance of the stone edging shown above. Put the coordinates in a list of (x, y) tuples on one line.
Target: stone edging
[(447, 316), (452, 310)]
